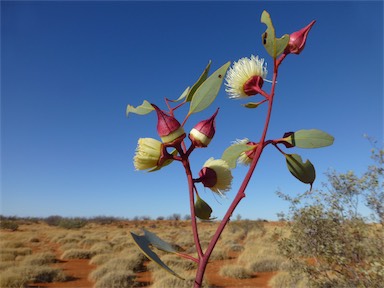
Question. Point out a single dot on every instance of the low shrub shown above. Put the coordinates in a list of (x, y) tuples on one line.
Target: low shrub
[(330, 242), (9, 225), (72, 223), (53, 220)]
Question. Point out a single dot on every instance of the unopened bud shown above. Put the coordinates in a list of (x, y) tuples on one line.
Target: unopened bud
[(168, 128), (202, 134), (297, 40)]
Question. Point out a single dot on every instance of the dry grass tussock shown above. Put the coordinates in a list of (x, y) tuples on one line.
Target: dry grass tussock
[(19, 265), (284, 279), (117, 258), (18, 276), (260, 252), (235, 271), (77, 254)]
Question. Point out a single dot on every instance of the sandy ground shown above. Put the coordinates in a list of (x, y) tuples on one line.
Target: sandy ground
[(79, 269)]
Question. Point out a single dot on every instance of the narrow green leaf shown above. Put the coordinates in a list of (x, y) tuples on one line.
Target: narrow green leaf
[(305, 172), (183, 95), (252, 104), (142, 109), (208, 91), (232, 153), (143, 243), (202, 209), (199, 81), (312, 138), (274, 46), (158, 242)]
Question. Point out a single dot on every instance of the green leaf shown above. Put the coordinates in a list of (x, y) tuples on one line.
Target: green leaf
[(202, 209), (233, 152), (274, 46), (143, 109), (143, 242), (158, 242), (199, 81), (310, 139), (252, 104), (208, 91), (305, 172), (183, 95)]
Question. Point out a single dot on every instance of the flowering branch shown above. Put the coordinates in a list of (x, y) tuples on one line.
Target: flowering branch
[(243, 80)]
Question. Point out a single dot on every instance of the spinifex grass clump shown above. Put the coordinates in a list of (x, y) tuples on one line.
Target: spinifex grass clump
[(244, 79)]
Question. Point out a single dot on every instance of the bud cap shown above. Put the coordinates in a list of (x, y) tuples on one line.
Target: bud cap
[(298, 39), (168, 128), (202, 134)]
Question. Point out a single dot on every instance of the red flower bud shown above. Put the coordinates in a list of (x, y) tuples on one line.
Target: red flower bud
[(168, 128), (202, 134), (297, 40)]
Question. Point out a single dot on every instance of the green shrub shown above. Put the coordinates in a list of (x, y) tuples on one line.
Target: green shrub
[(9, 225), (53, 220), (72, 223), (330, 243)]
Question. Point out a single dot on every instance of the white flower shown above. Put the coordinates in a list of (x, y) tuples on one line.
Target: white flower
[(216, 175), (246, 158), (242, 72), (148, 153)]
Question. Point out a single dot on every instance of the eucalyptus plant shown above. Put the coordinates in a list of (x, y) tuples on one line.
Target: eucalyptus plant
[(244, 79)]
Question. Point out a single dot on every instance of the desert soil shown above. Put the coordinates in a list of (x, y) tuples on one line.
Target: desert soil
[(79, 269)]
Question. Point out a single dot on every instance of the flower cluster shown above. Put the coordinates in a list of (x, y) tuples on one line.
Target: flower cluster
[(244, 79)]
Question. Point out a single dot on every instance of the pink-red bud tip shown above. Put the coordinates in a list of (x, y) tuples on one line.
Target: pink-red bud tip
[(298, 39), (208, 127), (165, 124)]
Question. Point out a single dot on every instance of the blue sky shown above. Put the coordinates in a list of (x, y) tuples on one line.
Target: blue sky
[(68, 70)]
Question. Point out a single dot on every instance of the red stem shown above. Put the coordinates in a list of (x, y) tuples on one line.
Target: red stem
[(192, 208), (241, 192)]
